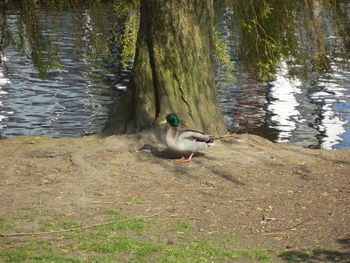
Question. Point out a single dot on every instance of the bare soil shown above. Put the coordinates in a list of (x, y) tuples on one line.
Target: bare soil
[(272, 196)]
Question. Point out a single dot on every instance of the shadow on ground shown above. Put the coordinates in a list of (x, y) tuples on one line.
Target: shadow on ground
[(319, 255)]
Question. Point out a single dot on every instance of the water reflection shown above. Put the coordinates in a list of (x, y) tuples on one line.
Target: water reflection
[(310, 111), (306, 114), (71, 101), (283, 104), (3, 82), (311, 114), (334, 100)]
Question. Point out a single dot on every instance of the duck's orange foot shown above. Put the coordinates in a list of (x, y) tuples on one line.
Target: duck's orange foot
[(181, 160), (184, 160)]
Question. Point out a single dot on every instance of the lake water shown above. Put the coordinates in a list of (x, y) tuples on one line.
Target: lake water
[(75, 100), (312, 111)]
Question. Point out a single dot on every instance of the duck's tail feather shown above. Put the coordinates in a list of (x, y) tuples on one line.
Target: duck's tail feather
[(210, 142)]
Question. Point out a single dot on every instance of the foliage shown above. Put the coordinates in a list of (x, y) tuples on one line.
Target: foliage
[(127, 39), (121, 33), (271, 33), (268, 34), (223, 58), (93, 40), (126, 28)]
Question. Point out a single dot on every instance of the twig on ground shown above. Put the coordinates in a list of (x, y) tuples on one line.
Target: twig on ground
[(280, 232)]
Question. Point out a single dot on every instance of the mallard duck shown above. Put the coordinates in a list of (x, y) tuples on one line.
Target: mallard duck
[(184, 141)]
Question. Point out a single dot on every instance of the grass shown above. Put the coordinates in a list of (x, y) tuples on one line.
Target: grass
[(181, 226), (204, 250), (5, 224), (134, 201), (57, 225), (135, 250), (128, 239)]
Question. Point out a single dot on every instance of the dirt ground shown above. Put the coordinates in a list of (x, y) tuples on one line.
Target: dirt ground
[(274, 196)]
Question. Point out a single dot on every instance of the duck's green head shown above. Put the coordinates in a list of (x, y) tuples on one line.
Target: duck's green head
[(172, 119)]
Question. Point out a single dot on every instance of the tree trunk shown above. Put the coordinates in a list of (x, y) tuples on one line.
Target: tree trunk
[(314, 9), (173, 71)]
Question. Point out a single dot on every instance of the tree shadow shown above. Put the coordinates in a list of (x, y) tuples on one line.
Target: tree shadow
[(230, 178), (319, 255)]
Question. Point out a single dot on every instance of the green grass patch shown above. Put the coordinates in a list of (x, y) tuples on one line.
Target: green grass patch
[(56, 259), (112, 212), (132, 224), (125, 223), (232, 240), (181, 226), (205, 250), (124, 240), (183, 229), (19, 254), (137, 249), (68, 224), (5, 224), (134, 201)]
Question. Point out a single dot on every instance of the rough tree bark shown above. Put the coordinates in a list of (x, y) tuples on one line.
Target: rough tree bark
[(173, 70)]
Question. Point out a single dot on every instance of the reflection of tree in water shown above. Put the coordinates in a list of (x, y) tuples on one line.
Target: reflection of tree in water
[(69, 95), (26, 34), (270, 32), (31, 30)]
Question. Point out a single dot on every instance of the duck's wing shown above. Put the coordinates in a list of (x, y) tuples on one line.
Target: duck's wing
[(194, 136)]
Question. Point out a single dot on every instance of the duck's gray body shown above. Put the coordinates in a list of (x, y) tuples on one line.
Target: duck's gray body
[(187, 141)]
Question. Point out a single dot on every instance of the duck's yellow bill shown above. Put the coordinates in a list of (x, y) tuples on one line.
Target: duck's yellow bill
[(162, 122)]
